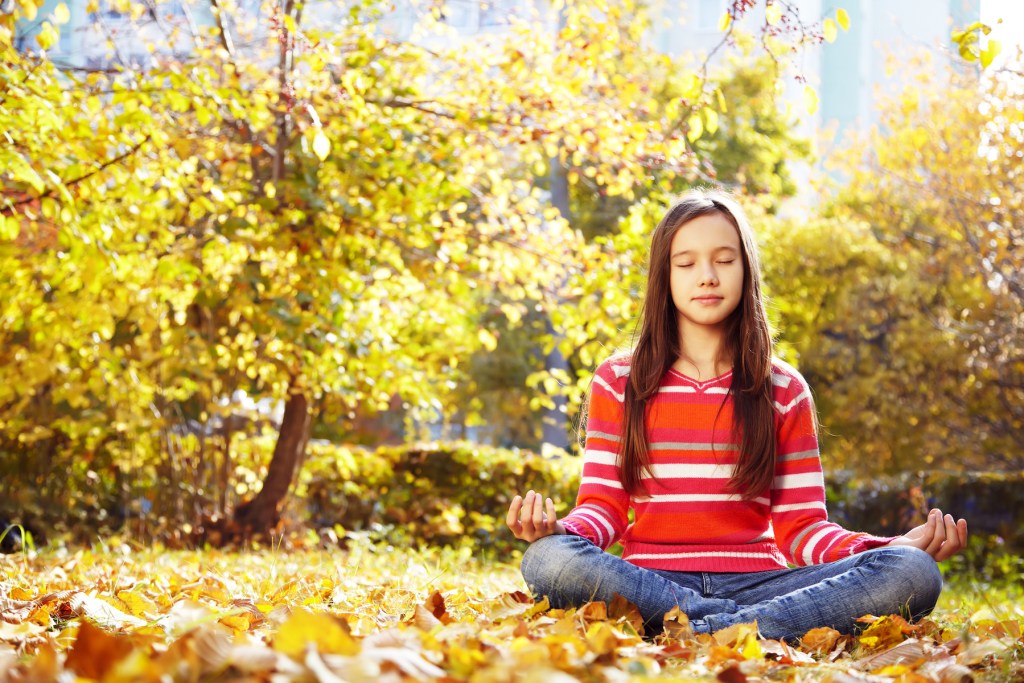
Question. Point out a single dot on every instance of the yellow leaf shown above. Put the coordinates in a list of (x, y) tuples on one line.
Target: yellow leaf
[(321, 145), (711, 120), (28, 7), (8, 228), (843, 18), (47, 36), (773, 13), (489, 341), (725, 22), (810, 99), (696, 127), (327, 633), (993, 48), (751, 648), (601, 638), (692, 87), (830, 30), (61, 14)]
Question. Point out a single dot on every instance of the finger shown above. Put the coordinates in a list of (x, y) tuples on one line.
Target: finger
[(551, 515), (527, 512), (512, 518), (538, 512), (961, 531), (949, 530), (936, 535)]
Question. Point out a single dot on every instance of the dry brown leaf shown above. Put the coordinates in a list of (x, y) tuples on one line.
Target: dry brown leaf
[(909, 653), (96, 651), (732, 674), (510, 605), (820, 640), (424, 619), (677, 624), (20, 634), (734, 634), (593, 611), (622, 609), (945, 669)]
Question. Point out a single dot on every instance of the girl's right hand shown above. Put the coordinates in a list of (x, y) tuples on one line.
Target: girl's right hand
[(528, 520)]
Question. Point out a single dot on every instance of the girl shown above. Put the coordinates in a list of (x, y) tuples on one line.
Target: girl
[(712, 443)]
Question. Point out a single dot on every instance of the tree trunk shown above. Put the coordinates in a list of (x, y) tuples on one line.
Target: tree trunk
[(260, 515)]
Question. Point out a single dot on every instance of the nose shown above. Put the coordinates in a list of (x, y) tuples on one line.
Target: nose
[(708, 276)]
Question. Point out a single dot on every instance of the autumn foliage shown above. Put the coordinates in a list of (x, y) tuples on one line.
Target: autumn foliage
[(375, 614)]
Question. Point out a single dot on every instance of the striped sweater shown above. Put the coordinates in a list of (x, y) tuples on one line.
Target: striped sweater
[(689, 520)]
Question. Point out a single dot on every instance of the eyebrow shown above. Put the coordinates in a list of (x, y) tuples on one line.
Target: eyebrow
[(684, 252)]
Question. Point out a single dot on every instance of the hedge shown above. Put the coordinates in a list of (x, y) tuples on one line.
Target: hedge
[(453, 493), (441, 494)]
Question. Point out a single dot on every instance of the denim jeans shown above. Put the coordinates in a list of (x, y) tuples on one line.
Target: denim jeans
[(786, 603)]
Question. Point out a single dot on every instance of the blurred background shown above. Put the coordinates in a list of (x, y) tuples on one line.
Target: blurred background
[(325, 269)]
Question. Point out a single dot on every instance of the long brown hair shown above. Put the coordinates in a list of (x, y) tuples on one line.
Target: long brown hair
[(748, 342)]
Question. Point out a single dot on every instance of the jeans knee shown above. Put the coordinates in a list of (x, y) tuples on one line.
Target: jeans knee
[(924, 574), (546, 559)]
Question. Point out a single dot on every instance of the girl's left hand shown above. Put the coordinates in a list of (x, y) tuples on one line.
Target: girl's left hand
[(941, 537)]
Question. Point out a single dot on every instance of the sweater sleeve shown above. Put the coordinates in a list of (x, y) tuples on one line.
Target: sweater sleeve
[(799, 517), (602, 505)]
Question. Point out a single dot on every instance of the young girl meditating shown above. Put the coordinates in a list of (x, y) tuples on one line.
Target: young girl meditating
[(712, 442)]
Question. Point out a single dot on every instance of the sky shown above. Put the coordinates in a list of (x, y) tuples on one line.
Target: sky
[(1011, 31)]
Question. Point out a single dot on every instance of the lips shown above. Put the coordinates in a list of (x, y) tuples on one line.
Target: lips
[(708, 299)]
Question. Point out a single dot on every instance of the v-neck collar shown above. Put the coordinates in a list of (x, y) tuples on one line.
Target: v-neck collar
[(700, 385)]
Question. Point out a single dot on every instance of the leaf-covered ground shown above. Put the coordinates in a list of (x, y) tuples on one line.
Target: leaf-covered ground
[(128, 614)]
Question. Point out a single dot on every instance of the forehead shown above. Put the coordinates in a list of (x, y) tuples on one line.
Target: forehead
[(706, 233)]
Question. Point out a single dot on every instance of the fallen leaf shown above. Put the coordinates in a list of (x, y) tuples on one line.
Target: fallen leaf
[(677, 624), (820, 640), (732, 674), (883, 633), (908, 653), (96, 651), (325, 632)]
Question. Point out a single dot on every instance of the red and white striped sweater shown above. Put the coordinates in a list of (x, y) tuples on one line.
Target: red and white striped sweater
[(689, 521)]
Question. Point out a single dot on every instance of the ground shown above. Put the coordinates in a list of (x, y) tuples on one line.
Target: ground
[(369, 613)]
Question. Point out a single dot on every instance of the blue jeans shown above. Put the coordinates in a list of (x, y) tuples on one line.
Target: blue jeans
[(786, 603)]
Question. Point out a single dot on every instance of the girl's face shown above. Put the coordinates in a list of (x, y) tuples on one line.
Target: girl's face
[(706, 271)]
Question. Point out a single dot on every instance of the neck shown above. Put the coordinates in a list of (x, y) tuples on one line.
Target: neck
[(702, 348)]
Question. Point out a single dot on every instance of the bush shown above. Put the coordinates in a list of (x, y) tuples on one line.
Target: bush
[(439, 493), (991, 502)]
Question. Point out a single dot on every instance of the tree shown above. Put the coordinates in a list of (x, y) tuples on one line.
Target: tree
[(316, 220), (903, 302)]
